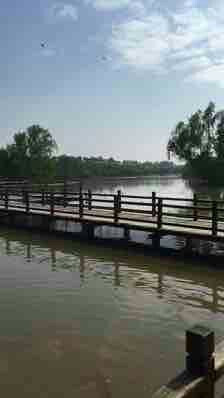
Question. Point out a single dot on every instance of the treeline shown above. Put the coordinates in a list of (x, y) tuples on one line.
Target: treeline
[(32, 155), (70, 166)]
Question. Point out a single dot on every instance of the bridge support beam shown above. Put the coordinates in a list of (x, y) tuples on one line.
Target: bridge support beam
[(46, 224), (126, 233), (156, 241), (88, 230), (188, 245)]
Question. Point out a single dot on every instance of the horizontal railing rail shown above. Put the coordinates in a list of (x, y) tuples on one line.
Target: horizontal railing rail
[(163, 213)]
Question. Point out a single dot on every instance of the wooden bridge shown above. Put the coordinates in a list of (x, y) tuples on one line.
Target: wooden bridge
[(159, 216)]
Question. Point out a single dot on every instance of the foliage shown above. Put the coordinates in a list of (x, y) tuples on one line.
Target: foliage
[(97, 166), (200, 142), (30, 154)]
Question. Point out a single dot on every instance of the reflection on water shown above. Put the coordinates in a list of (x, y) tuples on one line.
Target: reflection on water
[(162, 185), (96, 322), (61, 255)]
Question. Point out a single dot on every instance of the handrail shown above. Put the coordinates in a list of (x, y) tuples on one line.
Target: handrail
[(164, 216), (204, 366)]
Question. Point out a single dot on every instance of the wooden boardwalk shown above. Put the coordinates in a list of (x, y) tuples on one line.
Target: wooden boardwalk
[(187, 217)]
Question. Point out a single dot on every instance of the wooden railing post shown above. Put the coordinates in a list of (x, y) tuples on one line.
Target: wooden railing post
[(119, 200), (195, 204), (116, 210), (214, 218), (64, 199), (52, 203), (27, 202), (42, 198), (200, 346), (6, 199), (160, 213), (23, 196), (153, 204), (81, 204), (65, 192), (89, 199)]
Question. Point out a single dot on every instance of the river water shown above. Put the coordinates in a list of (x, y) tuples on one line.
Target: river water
[(79, 320)]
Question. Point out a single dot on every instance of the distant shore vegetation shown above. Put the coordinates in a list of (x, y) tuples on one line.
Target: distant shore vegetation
[(33, 154)]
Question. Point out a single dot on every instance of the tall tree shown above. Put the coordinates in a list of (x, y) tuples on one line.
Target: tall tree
[(200, 142), (31, 152), (209, 122), (197, 137), (219, 141)]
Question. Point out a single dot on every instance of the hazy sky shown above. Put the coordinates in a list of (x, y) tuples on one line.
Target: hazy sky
[(115, 76)]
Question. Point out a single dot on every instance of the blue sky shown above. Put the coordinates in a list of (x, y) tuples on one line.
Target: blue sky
[(115, 76)]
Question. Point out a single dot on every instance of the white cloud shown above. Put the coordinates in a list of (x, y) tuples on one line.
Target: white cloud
[(188, 40), (141, 43), (214, 74), (190, 3), (193, 64), (108, 5), (60, 11), (137, 7), (188, 52)]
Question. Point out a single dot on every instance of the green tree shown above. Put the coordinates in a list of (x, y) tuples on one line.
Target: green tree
[(31, 153), (195, 138), (5, 166), (17, 155), (219, 140), (200, 142), (209, 121)]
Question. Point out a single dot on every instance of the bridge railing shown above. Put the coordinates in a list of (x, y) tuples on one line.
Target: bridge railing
[(164, 213), (204, 367)]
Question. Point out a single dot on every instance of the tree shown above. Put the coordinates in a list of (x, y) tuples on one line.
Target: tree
[(195, 138), (200, 141), (5, 166), (219, 142), (209, 120), (17, 155), (31, 153)]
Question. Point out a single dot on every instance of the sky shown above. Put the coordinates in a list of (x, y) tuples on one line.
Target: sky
[(114, 77)]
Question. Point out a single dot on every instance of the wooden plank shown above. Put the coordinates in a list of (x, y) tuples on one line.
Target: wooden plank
[(103, 200), (136, 197), (126, 210), (219, 360), (183, 386), (125, 202), (121, 217), (103, 194), (176, 224)]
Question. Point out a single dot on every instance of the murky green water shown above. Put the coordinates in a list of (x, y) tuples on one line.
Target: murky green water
[(88, 321)]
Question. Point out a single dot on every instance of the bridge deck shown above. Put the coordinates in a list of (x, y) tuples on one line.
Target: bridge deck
[(183, 226)]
